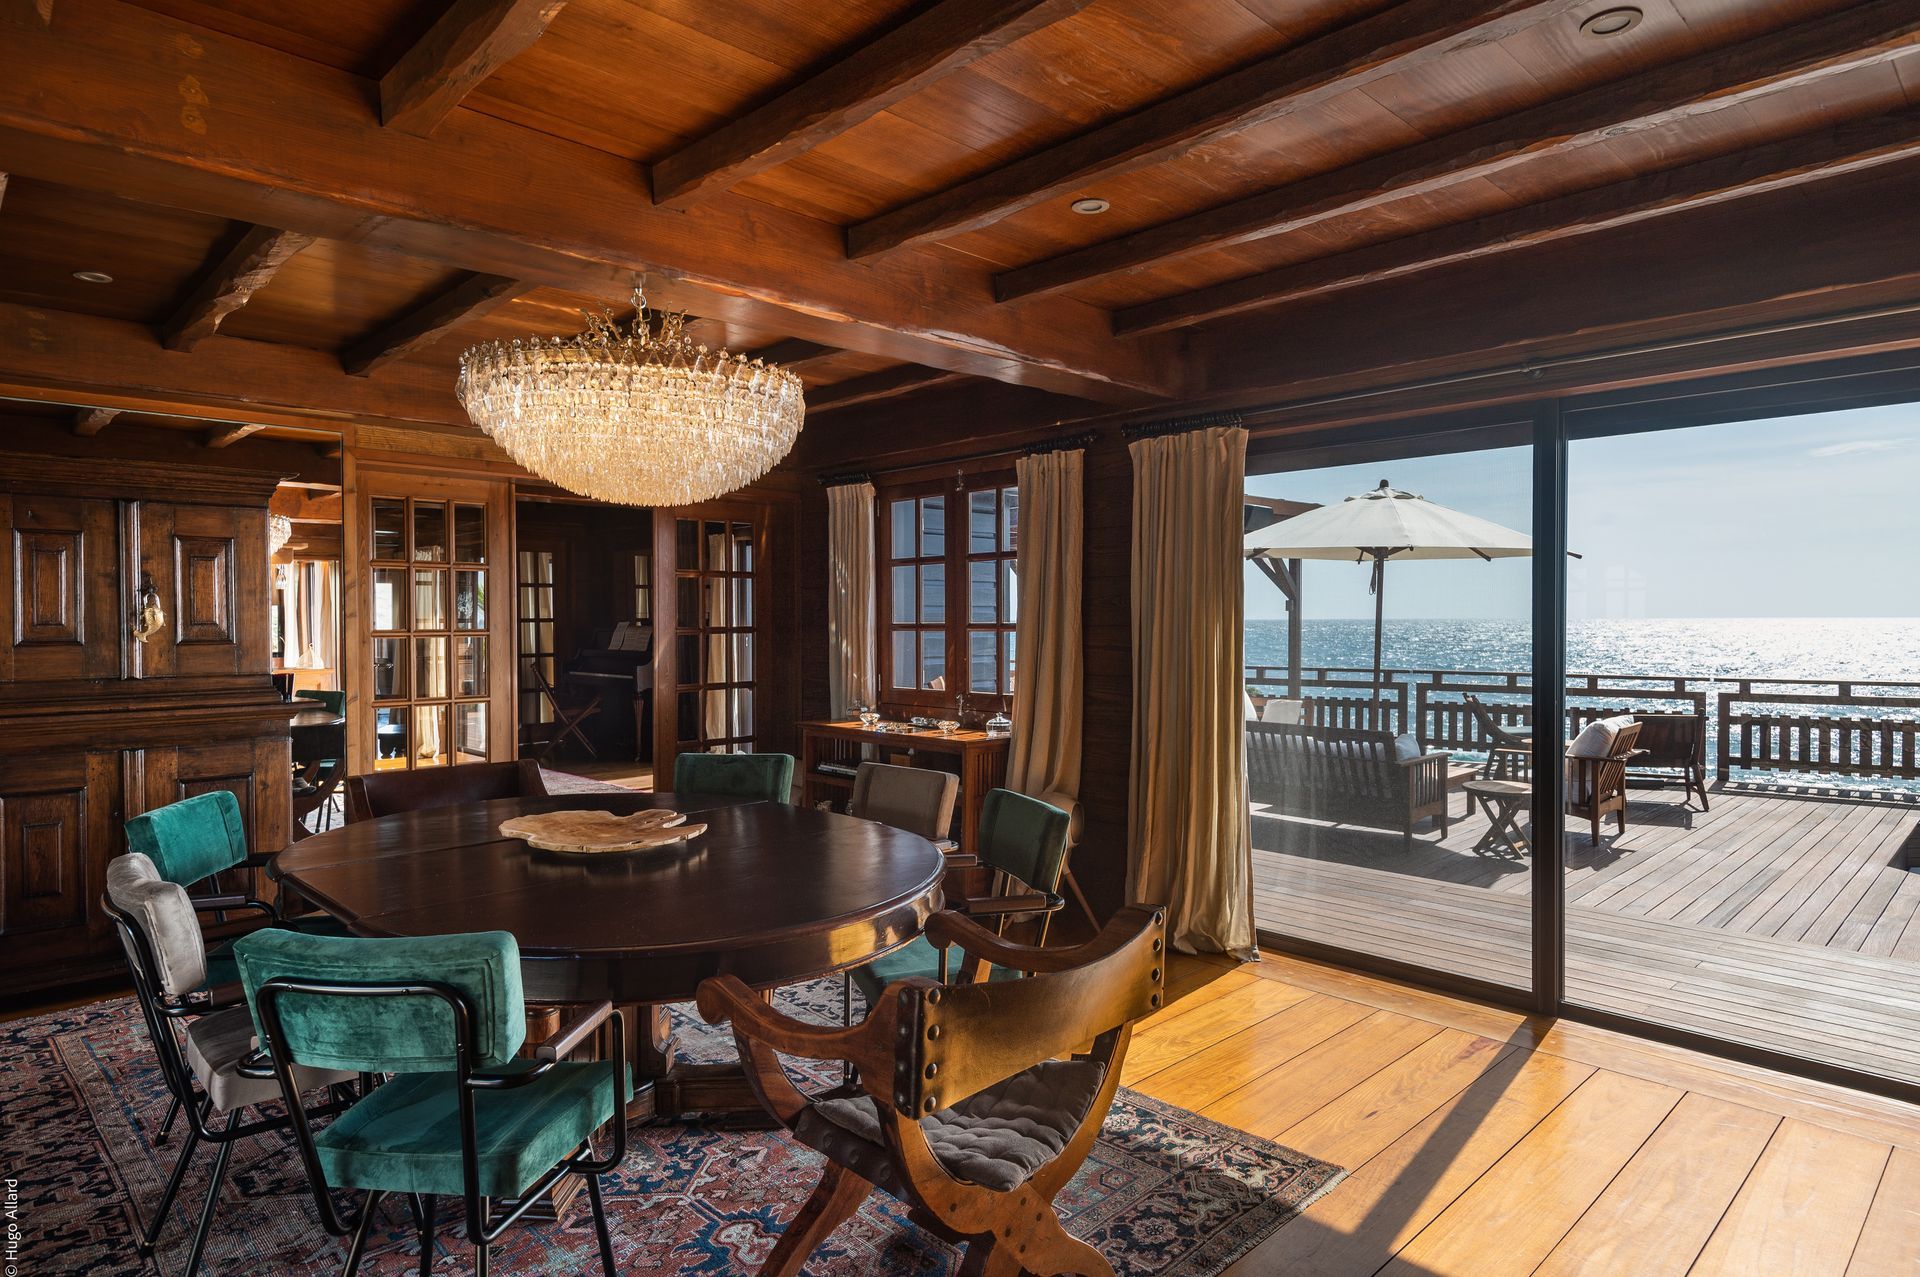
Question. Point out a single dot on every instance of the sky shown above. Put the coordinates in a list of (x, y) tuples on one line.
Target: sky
[(1806, 516)]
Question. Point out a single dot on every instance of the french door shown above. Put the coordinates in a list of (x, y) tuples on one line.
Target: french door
[(429, 648), (708, 652)]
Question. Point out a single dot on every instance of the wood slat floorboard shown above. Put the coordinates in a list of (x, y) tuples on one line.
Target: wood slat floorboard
[(1784, 921), (1480, 1142)]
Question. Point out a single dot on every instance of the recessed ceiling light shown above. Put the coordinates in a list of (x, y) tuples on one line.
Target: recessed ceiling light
[(1090, 206), (93, 277), (1610, 22)]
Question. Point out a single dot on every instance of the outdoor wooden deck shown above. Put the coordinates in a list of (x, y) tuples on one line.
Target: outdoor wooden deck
[(1788, 922)]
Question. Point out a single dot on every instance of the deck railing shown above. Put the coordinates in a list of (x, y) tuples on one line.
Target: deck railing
[(1877, 745), (1850, 729)]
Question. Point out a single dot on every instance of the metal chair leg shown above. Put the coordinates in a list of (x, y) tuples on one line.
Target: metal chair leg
[(213, 1199), (358, 1247), (478, 1233), (151, 1233), (426, 1236), (166, 1125), (600, 1225)]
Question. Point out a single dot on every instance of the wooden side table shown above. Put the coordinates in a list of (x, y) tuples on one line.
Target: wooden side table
[(1502, 801), (982, 759)]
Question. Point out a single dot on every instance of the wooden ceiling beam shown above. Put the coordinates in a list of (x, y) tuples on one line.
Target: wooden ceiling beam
[(227, 436), (886, 384), (1405, 36), (930, 45), (63, 357), (89, 422), (296, 149), (1846, 148), (243, 270), (471, 298), (470, 41), (1868, 35), (794, 353)]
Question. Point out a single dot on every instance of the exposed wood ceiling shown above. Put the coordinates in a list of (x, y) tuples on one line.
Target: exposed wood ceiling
[(309, 211)]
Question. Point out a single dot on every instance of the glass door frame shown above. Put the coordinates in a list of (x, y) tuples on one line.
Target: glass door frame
[(1550, 424), (364, 482)]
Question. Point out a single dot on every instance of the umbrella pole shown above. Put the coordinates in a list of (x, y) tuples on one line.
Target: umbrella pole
[(1379, 620)]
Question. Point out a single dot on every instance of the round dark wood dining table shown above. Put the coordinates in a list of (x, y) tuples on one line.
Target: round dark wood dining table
[(770, 893)]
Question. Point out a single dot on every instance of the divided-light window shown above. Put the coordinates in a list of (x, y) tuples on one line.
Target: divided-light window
[(948, 591)]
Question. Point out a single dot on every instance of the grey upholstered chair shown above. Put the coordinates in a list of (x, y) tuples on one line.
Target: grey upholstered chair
[(168, 961), (917, 799)]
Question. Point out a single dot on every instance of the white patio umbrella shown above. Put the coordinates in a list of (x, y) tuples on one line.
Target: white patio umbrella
[(1380, 525)]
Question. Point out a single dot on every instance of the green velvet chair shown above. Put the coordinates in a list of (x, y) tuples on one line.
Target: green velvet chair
[(197, 839), (766, 778), (1023, 841), (461, 1116)]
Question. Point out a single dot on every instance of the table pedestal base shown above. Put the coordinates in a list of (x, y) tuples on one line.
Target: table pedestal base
[(671, 1089)]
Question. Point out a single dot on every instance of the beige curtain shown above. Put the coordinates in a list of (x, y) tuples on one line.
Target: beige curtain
[(1045, 753), (1190, 836), (850, 599)]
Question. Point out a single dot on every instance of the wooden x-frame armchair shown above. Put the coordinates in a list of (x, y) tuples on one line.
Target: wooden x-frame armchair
[(936, 1059)]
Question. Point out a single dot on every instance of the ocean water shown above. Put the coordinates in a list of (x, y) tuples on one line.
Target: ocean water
[(1877, 649), (1824, 650)]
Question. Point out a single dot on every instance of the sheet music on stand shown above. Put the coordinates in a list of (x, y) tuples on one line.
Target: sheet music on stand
[(630, 636)]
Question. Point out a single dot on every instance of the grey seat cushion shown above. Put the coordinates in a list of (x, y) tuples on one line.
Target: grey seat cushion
[(216, 1044), (997, 1138)]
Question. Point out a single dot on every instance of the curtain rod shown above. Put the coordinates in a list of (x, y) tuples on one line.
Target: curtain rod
[(1180, 425), (1062, 444)]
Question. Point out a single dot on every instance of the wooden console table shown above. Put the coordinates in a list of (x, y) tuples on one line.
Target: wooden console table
[(983, 764)]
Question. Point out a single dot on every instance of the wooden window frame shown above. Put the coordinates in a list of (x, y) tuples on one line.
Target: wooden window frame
[(956, 557)]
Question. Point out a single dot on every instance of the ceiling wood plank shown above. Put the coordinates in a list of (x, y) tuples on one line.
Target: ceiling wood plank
[(471, 298), (296, 149), (471, 41), (1844, 42), (227, 436), (245, 268), (91, 421), (885, 384), (1405, 36), (932, 44), (1845, 148)]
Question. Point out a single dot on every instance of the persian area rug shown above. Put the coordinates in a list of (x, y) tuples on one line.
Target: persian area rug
[(1165, 1192)]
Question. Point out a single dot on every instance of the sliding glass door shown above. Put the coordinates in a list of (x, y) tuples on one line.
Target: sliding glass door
[(1389, 703), (1742, 851)]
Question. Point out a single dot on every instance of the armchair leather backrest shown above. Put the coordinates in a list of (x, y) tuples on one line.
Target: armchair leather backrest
[(958, 1040), (388, 793)]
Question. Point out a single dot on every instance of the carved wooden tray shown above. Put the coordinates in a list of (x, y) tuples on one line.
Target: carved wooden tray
[(589, 833)]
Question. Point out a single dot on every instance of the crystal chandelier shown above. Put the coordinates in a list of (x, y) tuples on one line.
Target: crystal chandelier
[(279, 532), (635, 414)]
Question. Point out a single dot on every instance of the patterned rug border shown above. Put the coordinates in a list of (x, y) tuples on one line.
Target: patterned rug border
[(49, 1041)]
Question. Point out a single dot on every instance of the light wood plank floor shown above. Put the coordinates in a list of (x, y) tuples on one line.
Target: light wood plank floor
[(1785, 922), (1481, 1142)]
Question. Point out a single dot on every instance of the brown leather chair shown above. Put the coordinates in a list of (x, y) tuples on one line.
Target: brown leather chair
[(962, 1110), (386, 793), (917, 799)]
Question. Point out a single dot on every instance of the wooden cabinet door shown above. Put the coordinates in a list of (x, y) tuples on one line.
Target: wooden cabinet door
[(60, 606), (59, 825), (209, 566)]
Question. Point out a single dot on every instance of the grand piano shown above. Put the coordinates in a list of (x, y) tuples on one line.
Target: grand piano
[(620, 672)]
